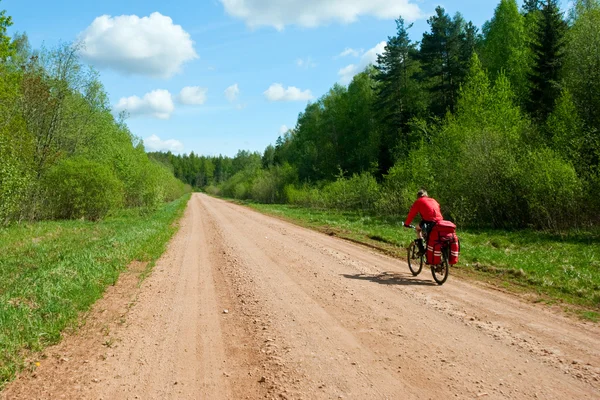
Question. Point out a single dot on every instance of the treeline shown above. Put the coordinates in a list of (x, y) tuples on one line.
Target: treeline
[(62, 153), (501, 125)]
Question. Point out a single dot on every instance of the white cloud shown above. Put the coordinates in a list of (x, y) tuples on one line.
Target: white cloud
[(151, 46), (276, 92), (370, 57), (306, 63), (154, 143), (351, 52), (158, 103), (232, 92), (311, 13), (192, 95), (283, 129)]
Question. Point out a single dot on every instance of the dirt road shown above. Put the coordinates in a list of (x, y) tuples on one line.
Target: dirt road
[(244, 306)]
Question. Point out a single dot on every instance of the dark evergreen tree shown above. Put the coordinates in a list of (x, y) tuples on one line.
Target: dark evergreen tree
[(548, 54), (399, 96), (530, 6), (445, 57)]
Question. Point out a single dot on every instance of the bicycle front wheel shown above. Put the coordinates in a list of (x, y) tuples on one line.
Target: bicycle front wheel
[(415, 262)]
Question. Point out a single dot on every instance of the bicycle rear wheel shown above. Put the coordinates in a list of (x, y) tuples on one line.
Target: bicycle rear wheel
[(440, 272), (415, 262)]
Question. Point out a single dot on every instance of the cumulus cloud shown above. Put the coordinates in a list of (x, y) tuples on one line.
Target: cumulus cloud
[(370, 57), (154, 143), (152, 46), (232, 92), (351, 52), (192, 95), (158, 103), (276, 92), (311, 13)]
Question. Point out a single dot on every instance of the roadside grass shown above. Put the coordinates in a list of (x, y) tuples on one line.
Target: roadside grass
[(558, 268), (51, 272)]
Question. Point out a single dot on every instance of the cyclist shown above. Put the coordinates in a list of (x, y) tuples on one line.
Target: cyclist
[(429, 209)]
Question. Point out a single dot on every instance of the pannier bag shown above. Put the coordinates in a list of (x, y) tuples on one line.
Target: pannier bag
[(441, 236)]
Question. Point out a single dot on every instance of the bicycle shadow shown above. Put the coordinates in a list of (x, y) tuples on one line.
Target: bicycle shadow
[(390, 278)]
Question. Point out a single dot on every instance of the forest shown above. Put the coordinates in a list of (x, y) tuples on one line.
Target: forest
[(499, 123), (63, 155)]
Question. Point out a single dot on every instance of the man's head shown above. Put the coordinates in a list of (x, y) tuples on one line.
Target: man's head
[(421, 193)]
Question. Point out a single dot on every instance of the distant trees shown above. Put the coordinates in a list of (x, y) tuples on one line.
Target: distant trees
[(502, 127)]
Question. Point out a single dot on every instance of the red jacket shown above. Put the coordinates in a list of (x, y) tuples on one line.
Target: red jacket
[(428, 208)]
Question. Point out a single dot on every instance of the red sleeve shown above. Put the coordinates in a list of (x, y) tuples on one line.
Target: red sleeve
[(412, 213)]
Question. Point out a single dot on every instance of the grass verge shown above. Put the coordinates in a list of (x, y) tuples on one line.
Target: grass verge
[(51, 272), (556, 268)]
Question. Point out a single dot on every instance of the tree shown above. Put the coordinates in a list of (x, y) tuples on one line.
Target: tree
[(548, 55), (531, 6), (6, 47), (268, 157), (504, 48), (442, 55), (399, 96), (582, 62)]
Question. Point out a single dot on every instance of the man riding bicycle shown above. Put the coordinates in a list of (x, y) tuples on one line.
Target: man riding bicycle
[(429, 209)]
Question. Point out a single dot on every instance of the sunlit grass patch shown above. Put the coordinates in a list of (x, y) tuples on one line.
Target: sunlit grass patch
[(50, 272)]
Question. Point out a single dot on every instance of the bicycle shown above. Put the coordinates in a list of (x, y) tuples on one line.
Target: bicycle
[(415, 260)]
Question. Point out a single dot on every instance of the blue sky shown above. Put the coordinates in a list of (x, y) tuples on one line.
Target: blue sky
[(209, 46)]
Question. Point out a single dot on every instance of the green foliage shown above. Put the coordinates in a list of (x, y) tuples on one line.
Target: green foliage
[(16, 149), (551, 189), (55, 117), (582, 62), (78, 188), (548, 57), (505, 48), (445, 55), (565, 129), (438, 116), (359, 193), (6, 47), (399, 95), (269, 186)]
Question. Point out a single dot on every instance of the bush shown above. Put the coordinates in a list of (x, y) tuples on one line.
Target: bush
[(269, 186), (360, 192), (551, 188), (405, 178), (304, 196), (79, 188)]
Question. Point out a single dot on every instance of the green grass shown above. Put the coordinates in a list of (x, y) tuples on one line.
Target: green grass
[(51, 272), (558, 268)]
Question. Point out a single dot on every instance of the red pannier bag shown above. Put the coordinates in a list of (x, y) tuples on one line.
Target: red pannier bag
[(443, 234)]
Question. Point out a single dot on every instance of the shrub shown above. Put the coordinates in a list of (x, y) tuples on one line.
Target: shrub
[(360, 192), (305, 196), (551, 188), (79, 188)]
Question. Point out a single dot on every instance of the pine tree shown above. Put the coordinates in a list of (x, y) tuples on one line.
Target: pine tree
[(530, 6), (444, 59), (398, 95), (548, 55)]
